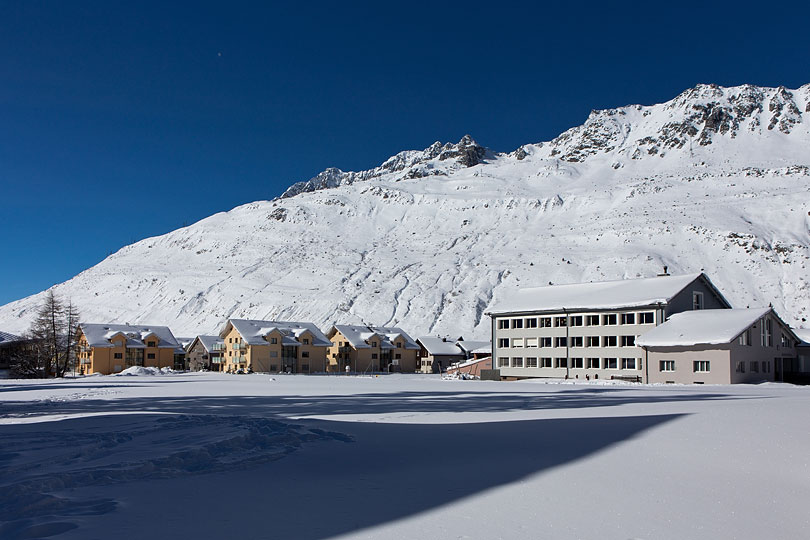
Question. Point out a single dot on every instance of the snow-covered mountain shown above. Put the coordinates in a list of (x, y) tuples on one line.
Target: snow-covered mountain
[(715, 179)]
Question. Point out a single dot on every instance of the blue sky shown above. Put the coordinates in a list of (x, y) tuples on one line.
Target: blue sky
[(119, 122)]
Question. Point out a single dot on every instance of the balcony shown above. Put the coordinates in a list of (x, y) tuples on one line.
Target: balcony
[(239, 359), (239, 346), (219, 347)]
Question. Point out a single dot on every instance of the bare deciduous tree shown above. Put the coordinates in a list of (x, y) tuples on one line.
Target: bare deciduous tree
[(52, 340)]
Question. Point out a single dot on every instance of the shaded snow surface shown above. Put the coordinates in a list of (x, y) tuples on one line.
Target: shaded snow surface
[(208, 455)]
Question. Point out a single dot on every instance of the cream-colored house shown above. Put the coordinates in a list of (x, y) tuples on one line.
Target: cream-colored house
[(111, 348), (273, 346), (720, 346), (371, 349), (438, 353)]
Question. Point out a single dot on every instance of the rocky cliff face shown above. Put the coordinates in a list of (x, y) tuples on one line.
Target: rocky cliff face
[(716, 179)]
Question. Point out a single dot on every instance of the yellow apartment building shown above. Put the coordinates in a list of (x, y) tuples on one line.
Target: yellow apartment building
[(370, 349), (111, 348)]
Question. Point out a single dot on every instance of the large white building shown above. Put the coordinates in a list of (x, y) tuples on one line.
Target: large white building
[(589, 330)]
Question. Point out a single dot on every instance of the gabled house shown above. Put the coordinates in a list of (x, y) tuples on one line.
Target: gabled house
[(589, 330), (371, 349), (436, 354), (273, 346), (111, 348), (10, 345), (720, 346), (206, 353)]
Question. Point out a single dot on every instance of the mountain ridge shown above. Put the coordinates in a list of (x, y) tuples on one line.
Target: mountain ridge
[(716, 179)]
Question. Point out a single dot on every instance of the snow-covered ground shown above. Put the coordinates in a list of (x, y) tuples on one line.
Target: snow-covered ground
[(202, 456)]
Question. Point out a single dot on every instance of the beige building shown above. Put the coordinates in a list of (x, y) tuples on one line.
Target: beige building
[(589, 330), (273, 346), (436, 354), (111, 348), (720, 346), (371, 349), (206, 353)]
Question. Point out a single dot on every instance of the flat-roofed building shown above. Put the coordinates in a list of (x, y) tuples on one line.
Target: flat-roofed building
[(589, 330)]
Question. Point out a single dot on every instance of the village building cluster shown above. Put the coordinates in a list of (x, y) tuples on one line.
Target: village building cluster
[(663, 329)]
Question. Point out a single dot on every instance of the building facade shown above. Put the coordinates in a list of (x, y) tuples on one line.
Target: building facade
[(206, 353), (589, 330), (371, 349), (722, 346), (112, 348), (273, 347)]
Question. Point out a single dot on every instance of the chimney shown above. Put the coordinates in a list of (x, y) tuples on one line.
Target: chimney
[(664, 273)]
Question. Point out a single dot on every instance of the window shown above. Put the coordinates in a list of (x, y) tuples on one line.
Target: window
[(273, 367), (561, 362), (517, 342), (754, 366), (628, 341), (666, 365), (611, 363), (576, 341), (517, 362), (150, 356), (646, 317), (151, 344), (697, 300), (306, 341), (118, 356), (700, 366), (503, 324), (531, 323), (628, 363), (740, 367), (374, 356), (531, 342), (609, 341), (399, 344), (576, 363), (274, 341), (273, 354), (545, 362), (628, 318), (531, 362), (766, 366), (503, 362), (560, 321), (503, 343), (304, 354), (398, 356), (593, 363), (745, 338), (576, 320), (517, 323), (545, 342), (592, 341), (545, 322), (373, 343), (592, 320), (609, 320), (786, 341), (559, 342), (766, 335)]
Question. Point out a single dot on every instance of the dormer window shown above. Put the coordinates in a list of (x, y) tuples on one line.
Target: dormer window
[(306, 341), (697, 300), (273, 341), (151, 344), (373, 343)]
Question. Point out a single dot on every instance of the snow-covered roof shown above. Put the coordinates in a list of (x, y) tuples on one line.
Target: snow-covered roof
[(702, 327), (208, 342), (99, 335), (358, 336), (803, 334), (440, 346), (5, 337), (254, 332), (625, 293), (475, 346)]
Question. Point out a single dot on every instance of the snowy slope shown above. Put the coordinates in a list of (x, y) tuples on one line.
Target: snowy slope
[(716, 179)]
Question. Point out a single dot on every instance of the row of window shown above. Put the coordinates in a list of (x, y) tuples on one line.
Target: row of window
[(698, 366), (572, 341), (753, 366), (119, 356), (607, 319), (573, 363)]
